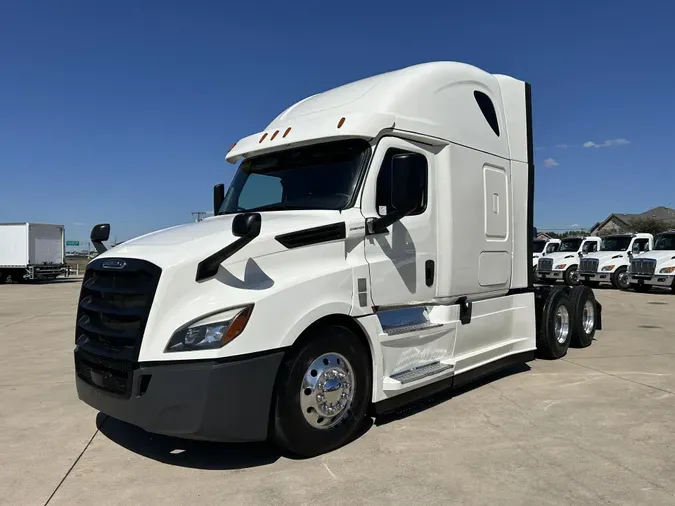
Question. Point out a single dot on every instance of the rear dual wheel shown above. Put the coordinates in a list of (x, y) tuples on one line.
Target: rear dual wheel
[(565, 320)]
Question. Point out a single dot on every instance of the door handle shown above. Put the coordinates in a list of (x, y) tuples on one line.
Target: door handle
[(429, 268)]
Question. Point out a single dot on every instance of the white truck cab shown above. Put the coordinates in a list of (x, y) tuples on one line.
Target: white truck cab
[(541, 248), (610, 264), (564, 263), (655, 267), (373, 246)]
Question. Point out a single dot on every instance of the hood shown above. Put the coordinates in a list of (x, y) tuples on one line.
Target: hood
[(560, 255), (195, 241), (607, 257), (661, 256)]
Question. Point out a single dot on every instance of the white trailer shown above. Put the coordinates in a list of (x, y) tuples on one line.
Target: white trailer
[(374, 246), (31, 251), (655, 268), (610, 264), (564, 263)]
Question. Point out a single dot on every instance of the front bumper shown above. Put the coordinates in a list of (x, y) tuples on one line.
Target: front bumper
[(664, 280), (209, 400), (600, 276), (550, 274)]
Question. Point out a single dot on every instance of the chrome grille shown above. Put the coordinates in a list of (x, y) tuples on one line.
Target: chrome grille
[(643, 266), (545, 264), (111, 316), (588, 265)]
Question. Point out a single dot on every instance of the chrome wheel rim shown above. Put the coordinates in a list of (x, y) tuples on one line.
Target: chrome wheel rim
[(623, 279), (562, 324), (327, 391), (588, 317)]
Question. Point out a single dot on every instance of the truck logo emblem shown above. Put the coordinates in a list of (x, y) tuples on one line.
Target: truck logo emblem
[(114, 264)]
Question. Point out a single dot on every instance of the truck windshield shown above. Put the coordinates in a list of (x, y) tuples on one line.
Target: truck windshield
[(538, 246), (321, 176), (619, 243), (665, 242), (571, 244)]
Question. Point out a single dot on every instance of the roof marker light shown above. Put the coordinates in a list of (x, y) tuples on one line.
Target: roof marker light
[(341, 122), (274, 135), (262, 138), (288, 130)]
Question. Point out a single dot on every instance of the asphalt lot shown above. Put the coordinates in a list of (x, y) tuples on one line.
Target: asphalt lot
[(597, 427)]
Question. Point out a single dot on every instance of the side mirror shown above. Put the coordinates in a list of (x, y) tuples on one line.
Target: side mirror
[(218, 197), (245, 225), (409, 180), (99, 234)]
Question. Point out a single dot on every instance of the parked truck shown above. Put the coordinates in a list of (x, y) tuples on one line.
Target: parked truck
[(31, 251), (611, 263), (564, 263), (541, 248), (373, 247), (655, 268)]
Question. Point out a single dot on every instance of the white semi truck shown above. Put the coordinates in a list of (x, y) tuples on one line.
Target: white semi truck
[(655, 268), (373, 247), (610, 264), (564, 263), (31, 251), (541, 248)]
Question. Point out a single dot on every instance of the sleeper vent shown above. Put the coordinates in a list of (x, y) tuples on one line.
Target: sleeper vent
[(316, 235)]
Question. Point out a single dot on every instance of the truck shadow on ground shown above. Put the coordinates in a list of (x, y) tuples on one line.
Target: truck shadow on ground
[(448, 394), (195, 454), (186, 453)]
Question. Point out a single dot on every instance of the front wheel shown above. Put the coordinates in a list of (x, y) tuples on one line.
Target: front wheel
[(323, 392), (571, 276), (620, 279)]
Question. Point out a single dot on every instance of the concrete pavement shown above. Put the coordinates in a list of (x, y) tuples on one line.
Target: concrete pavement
[(594, 428)]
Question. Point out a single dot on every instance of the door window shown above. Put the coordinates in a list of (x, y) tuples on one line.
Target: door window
[(384, 185)]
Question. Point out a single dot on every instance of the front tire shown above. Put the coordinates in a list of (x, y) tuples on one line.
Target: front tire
[(571, 276), (620, 279), (323, 392), (555, 329)]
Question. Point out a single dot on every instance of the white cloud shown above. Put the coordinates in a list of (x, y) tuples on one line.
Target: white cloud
[(575, 225), (549, 163), (607, 144), (562, 146)]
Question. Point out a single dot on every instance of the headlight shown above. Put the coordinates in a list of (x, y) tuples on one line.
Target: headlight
[(214, 331), (561, 266), (608, 268), (667, 270)]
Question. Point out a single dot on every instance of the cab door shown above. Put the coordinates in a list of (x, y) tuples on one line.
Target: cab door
[(402, 258)]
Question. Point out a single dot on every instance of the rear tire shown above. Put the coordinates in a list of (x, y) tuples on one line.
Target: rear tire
[(584, 316), (620, 279), (555, 329), (571, 276), (640, 288), (329, 372)]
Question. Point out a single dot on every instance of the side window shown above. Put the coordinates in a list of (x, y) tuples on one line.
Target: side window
[(488, 110), (551, 248), (590, 247), (384, 185), (640, 245)]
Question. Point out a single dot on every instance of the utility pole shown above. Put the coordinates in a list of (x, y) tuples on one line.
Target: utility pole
[(199, 215)]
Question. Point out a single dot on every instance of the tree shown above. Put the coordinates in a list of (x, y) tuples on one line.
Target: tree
[(569, 233), (648, 225)]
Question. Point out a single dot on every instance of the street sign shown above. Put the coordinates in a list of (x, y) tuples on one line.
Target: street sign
[(72, 243)]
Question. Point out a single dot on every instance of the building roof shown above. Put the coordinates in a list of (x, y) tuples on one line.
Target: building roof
[(657, 213)]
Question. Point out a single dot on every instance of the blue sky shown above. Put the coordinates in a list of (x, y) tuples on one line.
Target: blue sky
[(122, 111)]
